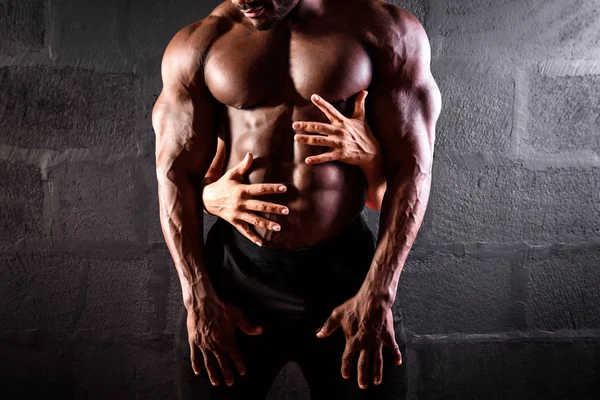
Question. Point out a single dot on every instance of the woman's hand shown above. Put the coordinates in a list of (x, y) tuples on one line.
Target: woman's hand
[(233, 201), (350, 141)]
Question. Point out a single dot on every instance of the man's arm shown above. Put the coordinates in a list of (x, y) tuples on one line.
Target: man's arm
[(403, 112), (185, 120), (186, 137)]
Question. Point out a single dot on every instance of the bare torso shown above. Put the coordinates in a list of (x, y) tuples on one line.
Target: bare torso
[(264, 80)]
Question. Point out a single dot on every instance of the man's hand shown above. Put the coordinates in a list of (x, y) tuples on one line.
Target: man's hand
[(368, 325), (211, 329), (231, 200), (350, 139)]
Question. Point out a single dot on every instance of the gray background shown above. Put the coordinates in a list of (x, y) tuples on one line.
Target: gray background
[(501, 292)]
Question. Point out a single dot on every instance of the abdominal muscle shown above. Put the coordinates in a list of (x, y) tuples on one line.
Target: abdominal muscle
[(322, 199)]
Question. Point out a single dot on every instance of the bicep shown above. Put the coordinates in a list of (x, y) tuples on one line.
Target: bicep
[(403, 107), (403, 120), (186, 133), (185, 117)]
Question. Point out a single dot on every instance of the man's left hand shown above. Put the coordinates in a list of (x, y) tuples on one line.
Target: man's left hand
[(368, 325), (350, 139)]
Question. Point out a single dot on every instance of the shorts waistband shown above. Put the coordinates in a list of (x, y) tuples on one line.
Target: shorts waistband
[(357, 227)]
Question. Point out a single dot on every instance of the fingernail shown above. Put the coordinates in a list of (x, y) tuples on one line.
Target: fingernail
[(308, 160), (229, 383), (296, 125), (316, 97), (282, 188), (377, 381), (276, 228), (320, 333), (259, 243), (285, 211)]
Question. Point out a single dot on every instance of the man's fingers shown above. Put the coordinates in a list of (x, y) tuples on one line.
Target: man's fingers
[(329, 110), (332, 323), (259, 189), (245, 326), (225, 367), (363, 369), (347, 358), (359, 105), (196, 359), (317, 127), (255, 220), (331, 155), (212, 367), (396, 354), (316, 140), (238, 360), (377, 365), (264, 206)]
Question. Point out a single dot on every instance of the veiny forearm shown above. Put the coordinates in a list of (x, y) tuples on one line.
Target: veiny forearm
[(183, 231), (402, 214)]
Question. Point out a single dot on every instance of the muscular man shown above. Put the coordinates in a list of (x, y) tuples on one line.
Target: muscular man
[(249, 74)]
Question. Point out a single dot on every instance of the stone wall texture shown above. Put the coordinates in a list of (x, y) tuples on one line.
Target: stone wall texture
[(500, 293)]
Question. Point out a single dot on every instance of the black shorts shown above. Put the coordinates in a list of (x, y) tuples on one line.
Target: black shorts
[(290, 293)]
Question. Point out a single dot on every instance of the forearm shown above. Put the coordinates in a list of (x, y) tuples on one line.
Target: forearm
[(402, 214), (182, 227)]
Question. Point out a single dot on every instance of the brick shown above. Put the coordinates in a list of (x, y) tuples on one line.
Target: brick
[(40, 291), (101, 369), (525, 30), (117, 297), (156, 23), (563, 113), (97, 201), (77, 24), (61, 108), (30, 371), (444, 294), (477, 108), (21, 202), (563, 291), (22, 26), (544, 370), (511, 204), (155, 376)]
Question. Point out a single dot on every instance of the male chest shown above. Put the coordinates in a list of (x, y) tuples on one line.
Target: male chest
[(248, 69)]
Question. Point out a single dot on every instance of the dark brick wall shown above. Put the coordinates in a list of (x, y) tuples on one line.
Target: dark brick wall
[(501, 292)]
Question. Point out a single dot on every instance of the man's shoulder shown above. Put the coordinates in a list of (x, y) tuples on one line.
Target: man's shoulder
[(389, 15), (195, 40), (394, 32)]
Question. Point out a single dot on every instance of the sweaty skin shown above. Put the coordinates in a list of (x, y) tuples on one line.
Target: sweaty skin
[(246, 80)]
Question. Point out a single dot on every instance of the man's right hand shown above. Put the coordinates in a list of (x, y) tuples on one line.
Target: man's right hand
[(211, 326), (231, 200)]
